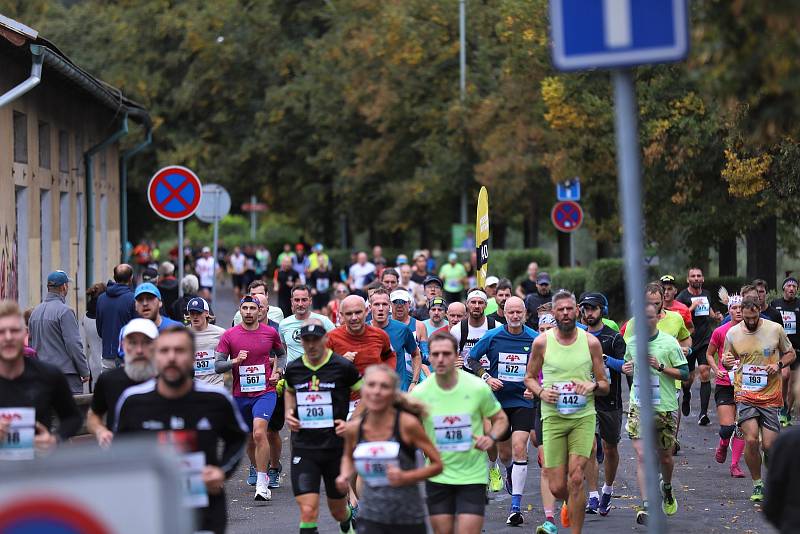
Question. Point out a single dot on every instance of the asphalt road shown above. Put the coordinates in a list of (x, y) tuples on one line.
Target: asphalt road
[(709, 499)]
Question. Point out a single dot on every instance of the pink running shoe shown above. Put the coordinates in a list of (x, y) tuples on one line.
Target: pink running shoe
[(736, 472), (721, 454)]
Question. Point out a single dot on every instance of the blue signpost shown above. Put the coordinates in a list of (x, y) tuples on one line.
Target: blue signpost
[(591, 34)]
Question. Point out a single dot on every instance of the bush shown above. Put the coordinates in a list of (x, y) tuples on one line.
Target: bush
[(513, 263), (572, 279), (608, 277)]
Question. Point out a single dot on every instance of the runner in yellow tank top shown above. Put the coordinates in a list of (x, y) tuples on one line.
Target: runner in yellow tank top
[(569, 360)]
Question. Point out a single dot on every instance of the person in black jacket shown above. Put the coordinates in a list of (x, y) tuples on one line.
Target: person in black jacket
[(782, 504)]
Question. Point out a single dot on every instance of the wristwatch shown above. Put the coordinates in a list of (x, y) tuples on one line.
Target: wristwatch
[(492, 437), (661, 368), (780, 365)]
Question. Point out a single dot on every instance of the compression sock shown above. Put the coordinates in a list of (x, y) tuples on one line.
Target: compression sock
[(705, 396), (608, 490), (737, 448), (519, 472), (344, 526), (308, 528)]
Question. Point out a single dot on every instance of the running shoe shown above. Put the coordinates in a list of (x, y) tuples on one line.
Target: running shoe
[(274, 477), (564, 515), (495, 480), (686, 404), (758, 493), (668, 502), (703, 420), (252, 477), (515, 518), (721, 453), (592, 505), (736, 472), (605, 504), (641, 517), (548, 527), (262, 493)]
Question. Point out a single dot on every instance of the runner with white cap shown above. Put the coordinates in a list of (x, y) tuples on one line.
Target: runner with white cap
[(401, 306), (138, 343), (490, 287)]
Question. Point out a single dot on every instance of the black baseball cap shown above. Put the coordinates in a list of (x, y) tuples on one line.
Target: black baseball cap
[(312, 330), (596, 300), (149, 274), (667, 279)]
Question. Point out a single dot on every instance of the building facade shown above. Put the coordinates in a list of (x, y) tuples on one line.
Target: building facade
[(59, 169)]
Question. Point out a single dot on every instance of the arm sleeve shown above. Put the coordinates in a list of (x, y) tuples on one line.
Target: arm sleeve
[(778, 479), (221, 363), (234, 437), (616, 360), (69, 417), (72, 341), (279, 353)]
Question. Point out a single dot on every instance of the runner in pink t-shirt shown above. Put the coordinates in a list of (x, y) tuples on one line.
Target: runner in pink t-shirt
[(245, 350), (723, 389)]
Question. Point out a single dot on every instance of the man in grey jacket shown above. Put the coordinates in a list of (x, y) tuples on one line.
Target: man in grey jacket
[(55, 336)]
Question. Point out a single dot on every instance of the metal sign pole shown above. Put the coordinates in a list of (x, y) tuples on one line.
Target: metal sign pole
[(180, 258), (630, 193), (253, 219), (216, 236)]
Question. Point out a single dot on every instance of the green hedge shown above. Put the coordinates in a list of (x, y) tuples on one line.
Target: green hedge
[(513, 263), (571, 279)]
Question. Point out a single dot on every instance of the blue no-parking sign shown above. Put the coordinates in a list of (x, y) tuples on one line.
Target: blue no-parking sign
[(614, 33)]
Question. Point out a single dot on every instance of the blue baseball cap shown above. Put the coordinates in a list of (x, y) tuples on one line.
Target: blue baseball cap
[(197, 304), (147, 287), (58, 279)]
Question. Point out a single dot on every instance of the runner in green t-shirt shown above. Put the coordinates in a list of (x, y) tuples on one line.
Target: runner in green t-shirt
[(455, 277), (458, 403), (667, 364)]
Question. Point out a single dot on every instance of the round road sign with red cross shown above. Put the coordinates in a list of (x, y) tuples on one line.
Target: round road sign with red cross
[(174, 193), (567, 216)]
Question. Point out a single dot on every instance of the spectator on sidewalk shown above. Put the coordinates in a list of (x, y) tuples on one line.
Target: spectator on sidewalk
[(91, 339), (55, 335), (115, 309)]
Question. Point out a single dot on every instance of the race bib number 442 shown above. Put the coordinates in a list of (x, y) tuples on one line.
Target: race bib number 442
[(569, 401)]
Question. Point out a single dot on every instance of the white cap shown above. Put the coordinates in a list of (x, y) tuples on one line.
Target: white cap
[(142, 326), (206, 249), (400, 294), (477, 294), (491, 281)]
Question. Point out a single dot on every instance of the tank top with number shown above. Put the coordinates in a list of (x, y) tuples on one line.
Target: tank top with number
[(379, 501), (564, 364)]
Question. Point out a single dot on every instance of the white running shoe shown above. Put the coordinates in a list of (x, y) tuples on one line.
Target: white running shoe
[(262, 493)]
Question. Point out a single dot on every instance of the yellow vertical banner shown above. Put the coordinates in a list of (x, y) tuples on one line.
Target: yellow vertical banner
[(482, 236)]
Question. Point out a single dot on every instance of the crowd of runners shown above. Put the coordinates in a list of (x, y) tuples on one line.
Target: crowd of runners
[(412, 395)]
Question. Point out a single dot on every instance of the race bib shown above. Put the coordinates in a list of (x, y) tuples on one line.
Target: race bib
[(655, 389), (511, 366), (203, 363), (703, 308), (18, 442), (754, 377), (323, 284), (252, 378), (194, 489), (373, 460), (315, 409), (789, 322), (352, 408), (453, 433), (568, 399)]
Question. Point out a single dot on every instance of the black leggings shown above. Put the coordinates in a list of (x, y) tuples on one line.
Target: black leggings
[(365, 526)]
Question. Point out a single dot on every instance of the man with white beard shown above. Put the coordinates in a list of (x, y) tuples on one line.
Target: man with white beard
[(138, 343)]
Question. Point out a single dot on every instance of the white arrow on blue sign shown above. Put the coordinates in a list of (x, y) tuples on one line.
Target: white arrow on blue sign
[(616, 33)]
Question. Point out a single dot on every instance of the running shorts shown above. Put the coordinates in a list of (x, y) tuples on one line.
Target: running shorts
[(723, 395), (278, 416), (563, 436), (767, 417), (312, 466), (260, 407), (452, 499), (520, 419), (609, 426), (697, 357), (666, 427)]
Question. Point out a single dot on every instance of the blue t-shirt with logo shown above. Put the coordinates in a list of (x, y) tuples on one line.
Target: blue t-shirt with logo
[(508, 360)]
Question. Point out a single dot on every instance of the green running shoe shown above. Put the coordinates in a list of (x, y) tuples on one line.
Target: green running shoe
[(495, 480)]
